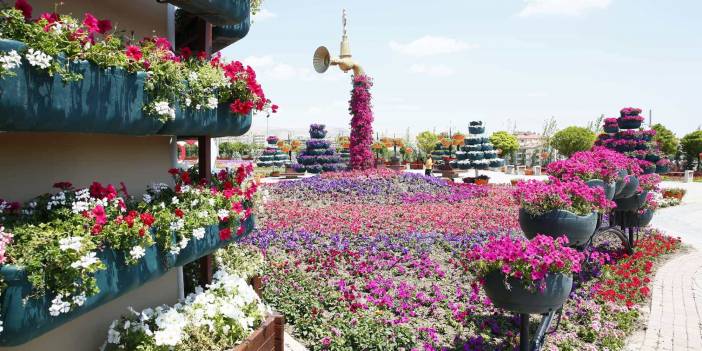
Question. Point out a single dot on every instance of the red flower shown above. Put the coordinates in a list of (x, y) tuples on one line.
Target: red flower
[(202, 55), (274, 108), (142, 232), (186, 52), (174, 171), (90, 22), (240, 231), (99, 215), (162, 43), (179, 213), (50, 17), (134, 53), (147, 219), (63, 185), (104, 26), (96, 229), (225, 234), (25, 7), (241, 107)]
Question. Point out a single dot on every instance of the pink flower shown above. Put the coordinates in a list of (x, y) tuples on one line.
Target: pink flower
[(134, 53), (91, 23)]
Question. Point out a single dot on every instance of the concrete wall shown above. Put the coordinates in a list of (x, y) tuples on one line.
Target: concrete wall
[(30, 163), (143, 17)]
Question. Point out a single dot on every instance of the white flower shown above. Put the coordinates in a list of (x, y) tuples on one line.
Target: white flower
[(199, 233), (137, 252), (188, 101), (70, 243), (147, 198), (175, 200), (198, 106), (212, 102), (192, 76), (211, 202), (177, 225), (162, 108), (113, 336), (222, 214), (59, 306), (184, 243), (38, 58), (203, 214), (11, 60), (79, 300), (194, 203), (86, 261)]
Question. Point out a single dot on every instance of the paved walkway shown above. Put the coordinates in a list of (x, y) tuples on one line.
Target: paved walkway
[(675, 316)]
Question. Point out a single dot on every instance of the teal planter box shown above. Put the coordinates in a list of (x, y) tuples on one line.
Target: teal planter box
[(104, 101), (217, 12), (23, 322), (215, 123), (223, 36)]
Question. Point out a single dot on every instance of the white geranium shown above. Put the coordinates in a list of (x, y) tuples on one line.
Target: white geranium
[(11, 60), (222, 214), (38, 59), (146, 198), (70, 243), (163, 109), (212, 102), (198, 233), (188, 101), (86, 261), (137, 252), (58, 306)]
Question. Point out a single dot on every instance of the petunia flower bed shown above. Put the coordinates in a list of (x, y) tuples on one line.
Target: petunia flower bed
[(375, 260)]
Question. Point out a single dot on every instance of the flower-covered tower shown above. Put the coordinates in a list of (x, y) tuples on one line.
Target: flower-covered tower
[(477, 153), (272, 155), (319, 156), (625, 134)]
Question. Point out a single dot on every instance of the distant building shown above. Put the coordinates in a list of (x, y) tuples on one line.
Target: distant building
[(530, 146)]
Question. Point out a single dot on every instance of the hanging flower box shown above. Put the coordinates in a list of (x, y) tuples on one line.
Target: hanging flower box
[(104, 101), (223, 36), (217, 12), (215, 123), (25, 321)]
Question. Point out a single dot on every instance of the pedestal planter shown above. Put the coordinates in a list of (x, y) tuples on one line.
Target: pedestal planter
[(268, 337), (557, 223), (628, 188), (217, 12), (629, 124), (609, 188), (26, 320), (619, 182), (215, 123), (520, 300), (645, 218), (652, 158), (486, 147), (650, 169), (476, 129), (104, 101), (632, 203), (611, 129), (662, 169)]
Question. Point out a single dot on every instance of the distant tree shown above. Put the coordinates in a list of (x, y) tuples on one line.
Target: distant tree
[(506, 142), (692, 147), (596, 125), (572, 139), (666, 139), (426, 141)]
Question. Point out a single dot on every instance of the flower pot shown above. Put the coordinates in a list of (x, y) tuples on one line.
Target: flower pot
[(628, 189), (611, 128), (645, 218), (223, 36), (105, 101), (217, 12), (619, 182), (662, 169), (486, 147), (520, 300), (472, 141), (219, 122), (652, 158), (650, 169), (461, 155), (497, 162), (557, 223), (476, 147), (482, 181), (608, 188), (476, 129), (631, 203), (268, 337), (318, 134), (628, 124), (475, 156)]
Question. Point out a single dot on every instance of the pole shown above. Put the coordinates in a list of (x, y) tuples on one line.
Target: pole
[(524, 332)]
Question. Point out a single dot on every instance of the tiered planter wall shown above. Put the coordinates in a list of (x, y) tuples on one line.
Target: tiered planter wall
[(25, 321), (319, 156), (477, 152), (272, 156), (105, 101)]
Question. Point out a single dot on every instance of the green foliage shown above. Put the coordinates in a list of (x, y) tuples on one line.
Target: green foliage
[(426, 141), (572, 139), (505, 141), (241, 260), (692, 147), (666, 139), (228, 149)]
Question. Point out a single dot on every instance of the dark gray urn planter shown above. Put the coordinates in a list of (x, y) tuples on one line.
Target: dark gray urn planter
[(645, 218), (609, 188), (631, 203), (577, 229), (520, 300), (629, 188), (619, 183)]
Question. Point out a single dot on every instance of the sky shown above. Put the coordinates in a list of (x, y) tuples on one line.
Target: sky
[(440, 64)]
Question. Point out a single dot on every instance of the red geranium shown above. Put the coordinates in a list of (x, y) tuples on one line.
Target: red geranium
[(147, 218), (134, 53), (25, 7), (225, 234)]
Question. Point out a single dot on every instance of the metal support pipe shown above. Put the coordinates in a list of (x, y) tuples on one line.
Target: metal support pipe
[(523, 332)]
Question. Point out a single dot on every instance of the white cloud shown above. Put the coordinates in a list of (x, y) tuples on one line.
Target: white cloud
[(430, 45), (432, 70), (562, 7), (263, 15), (266, 66)]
